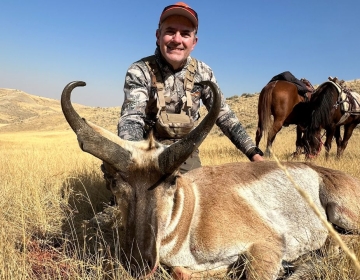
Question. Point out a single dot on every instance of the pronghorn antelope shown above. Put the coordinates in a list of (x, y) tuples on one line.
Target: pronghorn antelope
[(215, 216)]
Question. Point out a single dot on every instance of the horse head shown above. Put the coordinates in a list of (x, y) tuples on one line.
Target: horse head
[(321, 111)]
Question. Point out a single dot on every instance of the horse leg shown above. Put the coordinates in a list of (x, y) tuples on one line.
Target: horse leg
[(338, 141), (299, 144), (329, 137), (348, 130), (258, 136), (271, 136)]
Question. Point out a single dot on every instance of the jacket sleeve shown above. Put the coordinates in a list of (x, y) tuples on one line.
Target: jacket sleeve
[(230, 124), (131, 125)]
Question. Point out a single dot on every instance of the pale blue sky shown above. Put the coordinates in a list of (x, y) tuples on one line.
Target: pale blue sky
[(45, 44)]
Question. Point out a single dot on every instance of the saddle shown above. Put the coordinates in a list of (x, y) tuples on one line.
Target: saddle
[(304, 87), (309, 89)]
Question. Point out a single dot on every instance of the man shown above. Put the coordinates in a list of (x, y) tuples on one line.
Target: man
[(168, 84)]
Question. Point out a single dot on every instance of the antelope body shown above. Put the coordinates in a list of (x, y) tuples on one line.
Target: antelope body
[(212, 218)]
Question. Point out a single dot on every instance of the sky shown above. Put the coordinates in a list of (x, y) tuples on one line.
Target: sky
[(45, 44)]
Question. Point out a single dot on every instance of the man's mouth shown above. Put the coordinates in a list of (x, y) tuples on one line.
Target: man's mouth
[(174, 48)]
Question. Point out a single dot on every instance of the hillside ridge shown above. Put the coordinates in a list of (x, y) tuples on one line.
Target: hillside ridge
[(20, 111)]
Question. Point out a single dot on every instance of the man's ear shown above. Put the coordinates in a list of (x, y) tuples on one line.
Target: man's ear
[(195, 42), (157, 34)]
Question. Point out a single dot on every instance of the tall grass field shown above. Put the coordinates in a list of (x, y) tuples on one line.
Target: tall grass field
[(50, 188)]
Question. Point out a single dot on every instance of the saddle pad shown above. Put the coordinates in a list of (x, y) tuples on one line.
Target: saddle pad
[(345, 105)]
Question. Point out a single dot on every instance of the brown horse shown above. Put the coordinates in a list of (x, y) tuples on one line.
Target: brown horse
[(327, 113), (278, 99)]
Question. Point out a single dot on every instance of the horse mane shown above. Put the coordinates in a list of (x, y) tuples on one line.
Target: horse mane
[(324, 100), (322, 104)]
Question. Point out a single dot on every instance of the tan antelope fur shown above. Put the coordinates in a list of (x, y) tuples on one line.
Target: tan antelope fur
[(213, 217)]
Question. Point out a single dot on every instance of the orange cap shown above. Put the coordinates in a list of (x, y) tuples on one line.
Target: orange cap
[(181, 9)]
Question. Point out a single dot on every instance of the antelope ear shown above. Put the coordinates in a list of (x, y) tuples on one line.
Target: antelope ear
[(108, 170), (152, 142)]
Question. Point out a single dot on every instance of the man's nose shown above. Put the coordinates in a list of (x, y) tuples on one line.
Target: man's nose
[(177, 37)]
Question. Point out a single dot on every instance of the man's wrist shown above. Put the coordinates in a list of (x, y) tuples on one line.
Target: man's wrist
[(254, 151)]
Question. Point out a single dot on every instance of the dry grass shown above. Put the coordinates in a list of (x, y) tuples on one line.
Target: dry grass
[(49, 187)]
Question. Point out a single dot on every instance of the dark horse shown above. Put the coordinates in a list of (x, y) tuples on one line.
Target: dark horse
[(327, 113), (278, 99)]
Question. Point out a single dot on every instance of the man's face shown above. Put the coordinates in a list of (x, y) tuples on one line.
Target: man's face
[(176, 38)]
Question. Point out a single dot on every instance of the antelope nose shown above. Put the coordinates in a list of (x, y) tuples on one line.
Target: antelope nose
[(149, 264), (142, 268)]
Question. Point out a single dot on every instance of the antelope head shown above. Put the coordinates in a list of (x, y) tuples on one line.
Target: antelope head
[(145, 178)]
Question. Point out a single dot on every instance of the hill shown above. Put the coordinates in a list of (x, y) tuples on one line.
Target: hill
[(354, 85), (20, 111)]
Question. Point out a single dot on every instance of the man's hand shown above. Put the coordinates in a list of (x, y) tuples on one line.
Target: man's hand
[(257, 157)]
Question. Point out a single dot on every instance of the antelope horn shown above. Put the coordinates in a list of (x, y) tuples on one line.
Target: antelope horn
[(89, 140), (171, 158)]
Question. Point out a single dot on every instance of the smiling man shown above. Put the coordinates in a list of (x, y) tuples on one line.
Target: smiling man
[(163, 94)]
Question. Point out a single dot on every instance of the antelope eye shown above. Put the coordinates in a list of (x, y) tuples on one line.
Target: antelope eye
[(172, 182)]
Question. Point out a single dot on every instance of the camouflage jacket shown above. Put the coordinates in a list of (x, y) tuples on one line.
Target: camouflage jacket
[(137, 89)]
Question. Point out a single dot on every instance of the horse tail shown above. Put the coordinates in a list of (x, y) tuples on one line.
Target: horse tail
[(264, 108)]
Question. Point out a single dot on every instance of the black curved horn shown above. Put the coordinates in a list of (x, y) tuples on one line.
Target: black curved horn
[(89, 140), (171, 158)]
